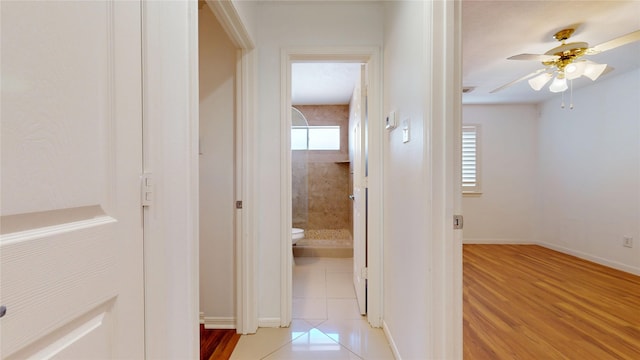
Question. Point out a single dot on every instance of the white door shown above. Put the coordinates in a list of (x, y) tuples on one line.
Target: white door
[(71, 145), (357, 118)]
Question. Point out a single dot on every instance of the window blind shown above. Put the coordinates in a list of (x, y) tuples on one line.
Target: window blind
[(470, 158)]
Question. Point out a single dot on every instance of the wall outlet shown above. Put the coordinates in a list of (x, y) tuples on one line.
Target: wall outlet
[(627, 241)]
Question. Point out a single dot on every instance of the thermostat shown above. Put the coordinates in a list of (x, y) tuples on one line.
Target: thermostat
[(391, 121)]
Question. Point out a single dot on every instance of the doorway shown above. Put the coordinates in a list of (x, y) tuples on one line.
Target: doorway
[(217, 172), (366, 252), (326, 125), (231, 82)]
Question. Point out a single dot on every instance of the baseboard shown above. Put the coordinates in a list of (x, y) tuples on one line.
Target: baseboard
[(214, 322), (497, 241), (392, 343), (269, 322), (598, 260)]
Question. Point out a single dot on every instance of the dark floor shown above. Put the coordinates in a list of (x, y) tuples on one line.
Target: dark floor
[(217, 344)]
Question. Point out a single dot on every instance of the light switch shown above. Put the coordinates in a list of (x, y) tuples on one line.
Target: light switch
[(405, 131)]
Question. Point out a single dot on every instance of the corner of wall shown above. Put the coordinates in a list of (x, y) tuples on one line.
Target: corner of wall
[(392, 343)]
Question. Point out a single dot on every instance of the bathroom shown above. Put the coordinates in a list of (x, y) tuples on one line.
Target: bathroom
[(321, 170)]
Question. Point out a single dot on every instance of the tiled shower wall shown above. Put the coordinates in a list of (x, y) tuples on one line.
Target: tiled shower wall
[(328, 183)]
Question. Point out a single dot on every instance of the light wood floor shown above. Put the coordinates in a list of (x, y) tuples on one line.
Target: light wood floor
[(529, 302)]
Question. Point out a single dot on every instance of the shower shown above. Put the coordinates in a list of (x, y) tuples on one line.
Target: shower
[(321, 211), (300, 174)]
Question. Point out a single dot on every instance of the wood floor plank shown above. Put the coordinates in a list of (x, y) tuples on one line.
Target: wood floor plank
[(217, 344), (529, 302)]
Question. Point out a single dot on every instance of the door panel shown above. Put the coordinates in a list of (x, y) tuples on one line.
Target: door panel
[(358, 163), (71, 148)]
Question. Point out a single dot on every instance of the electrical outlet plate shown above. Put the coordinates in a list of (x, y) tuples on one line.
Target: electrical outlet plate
[(627, 241)]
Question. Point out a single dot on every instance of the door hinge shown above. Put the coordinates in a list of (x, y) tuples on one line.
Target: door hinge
[(458, 222), (239, 204), (364, 273), (146, 189)]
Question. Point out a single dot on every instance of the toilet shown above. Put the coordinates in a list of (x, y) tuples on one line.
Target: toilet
[(296, 234)]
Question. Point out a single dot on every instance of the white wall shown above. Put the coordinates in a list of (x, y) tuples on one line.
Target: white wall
[(406, 239), (217, 77), (589, 173), (280, 25), (505, 210)]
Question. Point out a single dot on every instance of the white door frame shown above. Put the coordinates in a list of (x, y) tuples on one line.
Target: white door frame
[(170, 153), (443, 131), (371, 56)]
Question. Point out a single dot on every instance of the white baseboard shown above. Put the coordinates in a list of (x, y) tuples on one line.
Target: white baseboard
[(392, 344), (269, 322), (497, 241), (214, 322), (598, 260)]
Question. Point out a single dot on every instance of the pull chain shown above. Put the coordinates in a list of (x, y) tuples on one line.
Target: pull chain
[(571, 95)]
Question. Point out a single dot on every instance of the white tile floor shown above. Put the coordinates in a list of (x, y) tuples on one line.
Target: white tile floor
[(326, 321)]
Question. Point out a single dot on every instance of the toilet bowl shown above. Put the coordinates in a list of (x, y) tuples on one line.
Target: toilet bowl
[(296, 234)]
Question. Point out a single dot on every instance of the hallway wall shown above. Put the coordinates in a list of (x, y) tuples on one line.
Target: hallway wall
[(406, 239), (217, 101)]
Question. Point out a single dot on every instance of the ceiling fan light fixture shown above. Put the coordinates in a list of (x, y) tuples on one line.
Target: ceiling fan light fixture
[(593, 70), (574, 70), (565, 61), (540, 81), (558, 85)]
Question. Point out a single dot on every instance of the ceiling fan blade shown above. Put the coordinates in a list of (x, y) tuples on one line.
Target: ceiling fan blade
[(518, 80), (614, 43), (534, 57)]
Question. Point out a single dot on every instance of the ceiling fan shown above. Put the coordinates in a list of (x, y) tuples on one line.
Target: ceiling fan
[(565, 61)]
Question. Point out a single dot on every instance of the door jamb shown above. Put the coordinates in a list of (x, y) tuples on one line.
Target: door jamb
[(371, 56), (445, 253)]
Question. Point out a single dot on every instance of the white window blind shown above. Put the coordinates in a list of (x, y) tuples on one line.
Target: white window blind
[(471, 158)]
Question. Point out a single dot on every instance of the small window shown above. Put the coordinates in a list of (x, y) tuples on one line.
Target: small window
[(315, 138), (471, 158)]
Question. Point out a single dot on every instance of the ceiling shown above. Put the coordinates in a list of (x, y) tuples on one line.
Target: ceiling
[(323, 83), (491, 32)]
